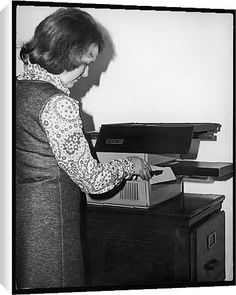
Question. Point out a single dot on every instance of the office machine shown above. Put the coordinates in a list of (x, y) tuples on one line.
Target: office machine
[(170, 148)]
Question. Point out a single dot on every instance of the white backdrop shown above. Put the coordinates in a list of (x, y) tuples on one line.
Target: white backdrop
[(168, 67)]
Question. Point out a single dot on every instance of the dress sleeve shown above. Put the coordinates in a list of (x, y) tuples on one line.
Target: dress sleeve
[(63, 126)]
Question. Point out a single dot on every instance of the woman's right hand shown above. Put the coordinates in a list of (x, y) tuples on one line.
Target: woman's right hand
[(142, 168)]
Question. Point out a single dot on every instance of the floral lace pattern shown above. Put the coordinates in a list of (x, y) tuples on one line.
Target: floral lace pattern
[(72, 143), (35, 72), (61, 121)]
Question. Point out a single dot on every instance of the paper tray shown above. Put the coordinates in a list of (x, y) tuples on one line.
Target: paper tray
[(218, 171)]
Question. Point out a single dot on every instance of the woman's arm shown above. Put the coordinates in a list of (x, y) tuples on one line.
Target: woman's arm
[(61, 120)]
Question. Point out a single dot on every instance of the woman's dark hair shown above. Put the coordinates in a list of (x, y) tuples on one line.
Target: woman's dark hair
[(61, 39)]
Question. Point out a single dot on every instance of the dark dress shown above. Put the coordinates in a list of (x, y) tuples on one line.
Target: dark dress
[(50, 208)]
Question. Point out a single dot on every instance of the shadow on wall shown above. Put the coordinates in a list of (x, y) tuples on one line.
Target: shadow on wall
[(93, 79)]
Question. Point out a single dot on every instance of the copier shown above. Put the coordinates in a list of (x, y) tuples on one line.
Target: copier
[(170, 148)]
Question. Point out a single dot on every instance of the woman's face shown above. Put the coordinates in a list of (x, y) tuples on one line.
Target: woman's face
[(69, 78)]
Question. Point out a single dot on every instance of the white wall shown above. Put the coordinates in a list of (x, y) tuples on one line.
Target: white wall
[(168, 67), (5, 149)]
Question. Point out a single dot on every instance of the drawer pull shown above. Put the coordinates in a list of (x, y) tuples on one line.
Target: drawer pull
[(211, 264), (211, 240)]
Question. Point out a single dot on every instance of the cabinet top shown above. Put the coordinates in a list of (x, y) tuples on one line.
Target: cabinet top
[(186, 206), (189, 205)]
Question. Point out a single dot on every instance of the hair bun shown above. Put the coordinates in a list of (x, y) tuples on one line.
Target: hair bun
[(24, 52)]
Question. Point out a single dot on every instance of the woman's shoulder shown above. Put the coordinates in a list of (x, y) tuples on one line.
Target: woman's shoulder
[(62, 108), (62, 101)]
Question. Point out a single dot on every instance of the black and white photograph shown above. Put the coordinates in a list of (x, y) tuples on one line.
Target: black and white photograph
[(123, 147)]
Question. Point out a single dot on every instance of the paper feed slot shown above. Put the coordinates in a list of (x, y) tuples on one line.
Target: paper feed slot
[(163, 174)]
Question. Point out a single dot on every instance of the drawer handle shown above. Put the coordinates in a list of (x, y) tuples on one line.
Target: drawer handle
[(211, 264), (211, 240)]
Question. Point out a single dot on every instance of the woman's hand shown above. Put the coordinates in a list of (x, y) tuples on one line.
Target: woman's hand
[(142, 168)]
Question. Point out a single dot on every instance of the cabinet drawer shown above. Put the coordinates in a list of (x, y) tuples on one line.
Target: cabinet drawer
[(210, 249)]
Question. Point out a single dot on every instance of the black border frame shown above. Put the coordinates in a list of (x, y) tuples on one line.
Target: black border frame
[(15, 4)]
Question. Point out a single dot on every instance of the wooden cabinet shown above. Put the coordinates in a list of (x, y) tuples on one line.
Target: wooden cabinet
[(179, 241), (208, 248)]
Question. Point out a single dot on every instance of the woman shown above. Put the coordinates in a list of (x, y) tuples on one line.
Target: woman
[(53, 160)]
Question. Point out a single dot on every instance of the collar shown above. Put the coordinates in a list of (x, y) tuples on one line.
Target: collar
[(36, 72)]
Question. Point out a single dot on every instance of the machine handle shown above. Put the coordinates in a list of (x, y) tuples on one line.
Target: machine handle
[(156, 172), (211, 264)]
